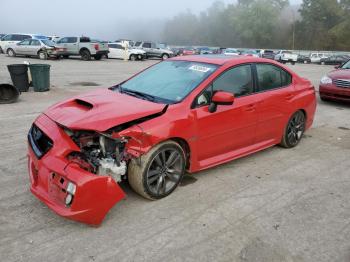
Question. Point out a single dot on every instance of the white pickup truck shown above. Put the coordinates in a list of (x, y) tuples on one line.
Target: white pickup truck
[(84, 47), (285, 56)]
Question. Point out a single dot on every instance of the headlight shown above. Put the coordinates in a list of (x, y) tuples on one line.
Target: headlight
[(326, 80)]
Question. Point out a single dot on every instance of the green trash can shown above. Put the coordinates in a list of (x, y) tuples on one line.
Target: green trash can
[(40, 77)]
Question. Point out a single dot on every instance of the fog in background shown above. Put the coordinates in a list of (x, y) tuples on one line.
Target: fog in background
[(103, 19)]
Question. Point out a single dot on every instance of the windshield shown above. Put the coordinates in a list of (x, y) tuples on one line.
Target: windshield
[(346, 65), (48, 42), (169, 81)]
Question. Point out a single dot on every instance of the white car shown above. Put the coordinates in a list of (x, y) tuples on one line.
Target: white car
[(316, 57), (120, 51), (285, 56), (11, 39), (231, 51)]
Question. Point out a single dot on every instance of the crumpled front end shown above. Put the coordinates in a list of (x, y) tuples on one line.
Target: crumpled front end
[(66, 180)]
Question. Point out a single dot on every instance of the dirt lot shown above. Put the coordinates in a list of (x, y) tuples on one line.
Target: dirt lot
[(276, 205)]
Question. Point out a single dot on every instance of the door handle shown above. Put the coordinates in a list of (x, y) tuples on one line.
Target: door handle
[(250, 108), (289, 97)]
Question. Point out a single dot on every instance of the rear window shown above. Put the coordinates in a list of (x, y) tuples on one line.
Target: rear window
[(272, 77), (85, 40)]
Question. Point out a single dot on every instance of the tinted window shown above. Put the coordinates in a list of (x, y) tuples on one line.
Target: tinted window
[(25, 42), (72, 39), (82, 40), (23, 37), (35, 42), (272, 77), (138, 43), (7, 38), (237, 81), (146, 45)]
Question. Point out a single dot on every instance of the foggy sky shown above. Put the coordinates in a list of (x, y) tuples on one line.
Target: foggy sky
[(103, 19)]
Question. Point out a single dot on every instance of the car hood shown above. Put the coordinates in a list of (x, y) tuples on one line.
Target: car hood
[(136, 51), (340, 74), (101, 110)]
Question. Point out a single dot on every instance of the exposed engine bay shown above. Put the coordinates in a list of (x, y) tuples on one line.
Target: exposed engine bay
[(100, 153)]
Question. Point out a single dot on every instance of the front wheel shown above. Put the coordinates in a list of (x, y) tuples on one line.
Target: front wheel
[(132, 58), (294, 130), (159, 171), (11, 53), (42, 55)]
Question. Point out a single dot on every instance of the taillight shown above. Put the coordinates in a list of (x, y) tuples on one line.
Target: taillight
[(97, 47)]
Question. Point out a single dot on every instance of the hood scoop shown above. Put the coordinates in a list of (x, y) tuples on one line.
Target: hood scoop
[(83, 103)]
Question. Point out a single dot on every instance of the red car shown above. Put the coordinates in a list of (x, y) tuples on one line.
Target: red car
[(336, 85), (188, 51), (182, 115)]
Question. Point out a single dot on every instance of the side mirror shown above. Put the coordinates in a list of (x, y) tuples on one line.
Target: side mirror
[(221, 98)]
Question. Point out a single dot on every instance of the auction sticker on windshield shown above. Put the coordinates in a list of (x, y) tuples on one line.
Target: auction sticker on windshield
[(199, 68)]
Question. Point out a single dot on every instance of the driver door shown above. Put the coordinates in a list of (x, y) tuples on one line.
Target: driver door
[(232, 127)]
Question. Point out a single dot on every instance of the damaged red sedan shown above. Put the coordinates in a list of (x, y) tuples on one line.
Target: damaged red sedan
[(182, 115)]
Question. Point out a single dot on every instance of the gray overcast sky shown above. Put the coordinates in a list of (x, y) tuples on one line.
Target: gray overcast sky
[(105, 19)]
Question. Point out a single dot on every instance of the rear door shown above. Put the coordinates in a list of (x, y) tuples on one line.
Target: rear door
[(34, 47), (275, 101), (21, 47), (147, 47)]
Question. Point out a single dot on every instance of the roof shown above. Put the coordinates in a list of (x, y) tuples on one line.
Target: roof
[(218, 59)]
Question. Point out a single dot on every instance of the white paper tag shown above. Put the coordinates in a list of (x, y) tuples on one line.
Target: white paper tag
[(199, 68)]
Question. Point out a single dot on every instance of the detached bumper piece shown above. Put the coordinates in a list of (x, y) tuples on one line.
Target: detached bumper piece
[(62, 185)]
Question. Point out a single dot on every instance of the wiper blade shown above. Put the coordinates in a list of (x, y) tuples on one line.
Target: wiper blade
[(137, 94)]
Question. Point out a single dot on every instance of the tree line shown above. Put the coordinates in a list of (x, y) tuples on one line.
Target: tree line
[(314, 25)]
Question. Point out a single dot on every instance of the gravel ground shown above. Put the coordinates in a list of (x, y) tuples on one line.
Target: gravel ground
[(276, 205)]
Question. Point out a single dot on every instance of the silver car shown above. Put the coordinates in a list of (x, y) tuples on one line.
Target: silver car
[(42, 48)]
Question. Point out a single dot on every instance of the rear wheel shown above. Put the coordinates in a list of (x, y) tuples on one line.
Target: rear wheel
[(10, 52), (323, 63), (165, 56), (160, 172), (293, 63), (294, 130), (85, 55)]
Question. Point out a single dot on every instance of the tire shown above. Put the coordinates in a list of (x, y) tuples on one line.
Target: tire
[(165, 56), (98, 57), (85, 55), (132, 58), (294, 130), (1, 51), (42, 55), (323, 63), (152, 179), (11, 53), (293, 63)]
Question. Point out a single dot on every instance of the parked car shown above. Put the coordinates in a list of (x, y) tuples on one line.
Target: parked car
[(177, 51), (188, 51), (249, 52), (42, 49), (336, 84), (284, 56), (304, 59), (16, 38), (268, 54), (334, 60), (142, 130), (84, 47), (205, 50), (316, 57), (117, 50), (54, 38), (153, 50), (231, 51)]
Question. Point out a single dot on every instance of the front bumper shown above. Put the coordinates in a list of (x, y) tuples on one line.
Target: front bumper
[(332, 92), (49, 176)]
